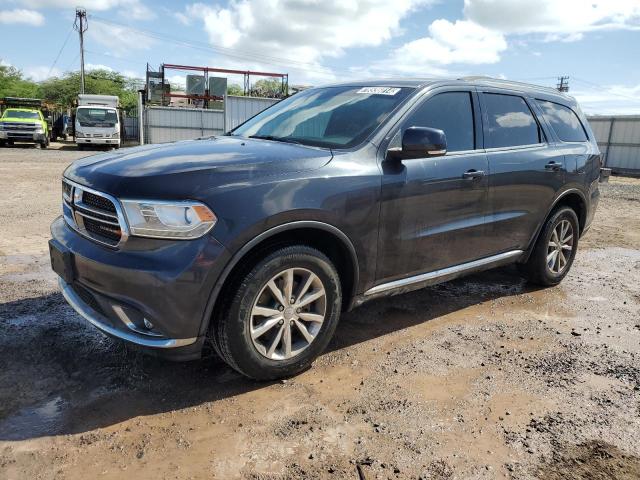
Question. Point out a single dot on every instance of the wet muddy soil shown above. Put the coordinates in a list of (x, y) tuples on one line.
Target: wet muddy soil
[(485, 377)]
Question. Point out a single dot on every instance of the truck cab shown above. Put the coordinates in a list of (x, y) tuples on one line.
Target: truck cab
[(23, 121), (97, 121)]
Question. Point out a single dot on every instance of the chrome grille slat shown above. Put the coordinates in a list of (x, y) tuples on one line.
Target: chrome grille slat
[(96, 219), (94, 214), (88, 210)]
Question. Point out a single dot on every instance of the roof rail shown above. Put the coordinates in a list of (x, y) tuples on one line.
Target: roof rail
[(502, 81)]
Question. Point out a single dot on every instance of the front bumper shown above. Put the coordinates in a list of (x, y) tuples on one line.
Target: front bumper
[(97, 141), (26, 136), (166, 283), (99, 321)]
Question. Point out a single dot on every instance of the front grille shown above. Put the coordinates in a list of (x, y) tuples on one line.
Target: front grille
[(66, 191), (98, 202), (103, 230), (93, 214), (16, 126)]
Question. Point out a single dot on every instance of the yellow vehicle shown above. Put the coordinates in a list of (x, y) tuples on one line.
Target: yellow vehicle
[(21, 122)]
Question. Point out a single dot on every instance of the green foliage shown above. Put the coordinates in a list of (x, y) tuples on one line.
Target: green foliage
[(13, 84), (267, 87), (235, 89), (64, 90)]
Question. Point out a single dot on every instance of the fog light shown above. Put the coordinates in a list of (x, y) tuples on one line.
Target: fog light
[(148, 324)]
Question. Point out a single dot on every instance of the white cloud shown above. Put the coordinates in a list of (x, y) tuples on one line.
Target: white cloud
[(98, 66), (23, 16), (609, 100), (303, 33), (120, 41), (130, 9), (461, 42), (41, 72), (566, 19)]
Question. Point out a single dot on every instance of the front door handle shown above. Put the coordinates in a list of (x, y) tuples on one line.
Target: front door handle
[(473, 174), (553, 166)]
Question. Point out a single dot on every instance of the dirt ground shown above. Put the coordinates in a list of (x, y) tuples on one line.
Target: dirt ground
[(484, 377)]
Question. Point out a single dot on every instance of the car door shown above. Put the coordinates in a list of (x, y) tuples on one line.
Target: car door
[(432, 209), (525, 169)]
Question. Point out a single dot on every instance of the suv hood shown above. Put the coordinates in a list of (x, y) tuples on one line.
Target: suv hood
[(192, 167)]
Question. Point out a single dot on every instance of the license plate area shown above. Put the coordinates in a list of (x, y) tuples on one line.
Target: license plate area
[(61, 261)]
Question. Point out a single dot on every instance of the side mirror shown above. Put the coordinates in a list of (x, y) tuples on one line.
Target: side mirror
[(420, 142)]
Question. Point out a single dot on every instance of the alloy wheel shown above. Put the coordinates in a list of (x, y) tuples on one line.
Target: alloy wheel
[(288, 313), (560, 247)]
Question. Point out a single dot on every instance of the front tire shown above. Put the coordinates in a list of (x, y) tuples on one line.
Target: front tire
[(555, 249), (281, 314)]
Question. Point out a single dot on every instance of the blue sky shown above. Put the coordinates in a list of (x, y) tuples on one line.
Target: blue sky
[(595, 42)]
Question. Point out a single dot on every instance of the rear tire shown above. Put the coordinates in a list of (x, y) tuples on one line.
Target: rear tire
[(555, 249), (264, 334)]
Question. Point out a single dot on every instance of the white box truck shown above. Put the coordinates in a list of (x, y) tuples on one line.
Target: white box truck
[(97, 121)]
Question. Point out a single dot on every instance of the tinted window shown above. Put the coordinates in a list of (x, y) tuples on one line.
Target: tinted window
[(564, 121), (334, 117), (451, 112), (510, 122), (21, 114)]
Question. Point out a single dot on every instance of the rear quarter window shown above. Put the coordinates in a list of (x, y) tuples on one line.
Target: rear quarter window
[(509, 122), (564, 121)]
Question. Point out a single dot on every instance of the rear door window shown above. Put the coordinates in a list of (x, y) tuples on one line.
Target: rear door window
[(451, 112), (509, 122), (564, 121)]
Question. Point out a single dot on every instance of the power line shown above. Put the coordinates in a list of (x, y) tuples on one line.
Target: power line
[(267, 59), (605, 89), (72, 62), (64, 44)]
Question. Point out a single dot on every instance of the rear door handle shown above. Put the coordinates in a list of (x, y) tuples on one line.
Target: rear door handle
[(473, 174), (554, 166)]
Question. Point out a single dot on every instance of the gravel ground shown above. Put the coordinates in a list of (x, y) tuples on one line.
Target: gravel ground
[(485, 377)]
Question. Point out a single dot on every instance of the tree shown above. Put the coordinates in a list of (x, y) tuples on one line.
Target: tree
[(13, 84), (267, 87), (235, 89), (64, 90)]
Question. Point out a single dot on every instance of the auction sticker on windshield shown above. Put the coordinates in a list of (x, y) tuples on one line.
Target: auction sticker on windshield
[(379, 90)]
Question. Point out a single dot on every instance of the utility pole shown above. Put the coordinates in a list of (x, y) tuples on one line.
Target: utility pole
[(81, 26), (563, 84)]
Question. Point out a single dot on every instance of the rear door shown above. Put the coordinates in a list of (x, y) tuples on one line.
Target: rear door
[(432, 209), (525, 169)]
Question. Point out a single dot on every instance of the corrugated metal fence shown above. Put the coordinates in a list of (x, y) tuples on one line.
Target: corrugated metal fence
[(619, 140), (169, 124)]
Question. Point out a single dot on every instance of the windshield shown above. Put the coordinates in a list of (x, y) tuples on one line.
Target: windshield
[(97, 117), (21, 114), (333, 117)]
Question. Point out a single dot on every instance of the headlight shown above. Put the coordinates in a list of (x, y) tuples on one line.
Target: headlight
[(116, 135), (39, 129), (160, 219), (79, 135)]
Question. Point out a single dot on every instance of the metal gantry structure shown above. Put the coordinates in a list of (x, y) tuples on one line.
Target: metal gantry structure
[(206, 71)]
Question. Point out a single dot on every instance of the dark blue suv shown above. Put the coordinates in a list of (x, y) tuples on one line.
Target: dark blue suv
[(255, 241)]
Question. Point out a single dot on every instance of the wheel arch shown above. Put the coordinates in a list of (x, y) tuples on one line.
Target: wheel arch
[(573, 198), (325, 237)]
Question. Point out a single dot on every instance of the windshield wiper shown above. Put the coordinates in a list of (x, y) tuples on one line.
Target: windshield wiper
[(276, 139)]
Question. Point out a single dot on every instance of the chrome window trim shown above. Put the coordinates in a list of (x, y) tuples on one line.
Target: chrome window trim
[(73, 223), (528, 146)]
